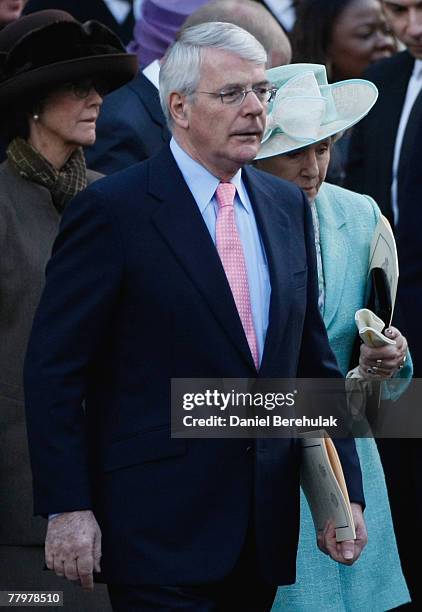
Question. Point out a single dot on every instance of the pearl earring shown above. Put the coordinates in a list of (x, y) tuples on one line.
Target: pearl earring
[(35, 117)]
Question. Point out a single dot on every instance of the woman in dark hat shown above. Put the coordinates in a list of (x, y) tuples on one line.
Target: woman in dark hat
[(54, 72)]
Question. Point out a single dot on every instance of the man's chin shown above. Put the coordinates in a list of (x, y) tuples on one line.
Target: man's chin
[(247, 154)]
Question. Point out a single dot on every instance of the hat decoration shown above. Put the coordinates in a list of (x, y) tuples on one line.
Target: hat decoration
[(306, 109)]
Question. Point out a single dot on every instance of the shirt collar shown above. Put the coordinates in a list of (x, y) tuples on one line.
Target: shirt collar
[(284, 11), (201, 182), (417, 70), (152, 72), (120, 9)]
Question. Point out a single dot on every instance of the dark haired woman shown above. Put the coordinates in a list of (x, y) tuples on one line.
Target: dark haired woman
[(54, 72), (346, 36)]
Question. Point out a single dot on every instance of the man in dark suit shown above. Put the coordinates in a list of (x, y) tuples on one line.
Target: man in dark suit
[(120, 19), (384, 150), (380, 142), (405, 469), (131, 126), (183, 266)]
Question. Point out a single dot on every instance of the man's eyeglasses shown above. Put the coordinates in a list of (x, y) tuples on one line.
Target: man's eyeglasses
[(236, 95), (83, 87)]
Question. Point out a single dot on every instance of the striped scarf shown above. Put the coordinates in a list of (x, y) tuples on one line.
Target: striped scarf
[(63, 184)]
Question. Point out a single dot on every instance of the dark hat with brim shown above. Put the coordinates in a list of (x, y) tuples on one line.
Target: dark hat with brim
[(44, 50)]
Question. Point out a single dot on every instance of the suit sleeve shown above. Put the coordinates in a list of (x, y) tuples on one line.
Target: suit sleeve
[(318, 361), (83, 280)]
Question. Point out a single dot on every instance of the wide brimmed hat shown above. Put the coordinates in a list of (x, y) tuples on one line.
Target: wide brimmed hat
[(306, 109), (48, 48)]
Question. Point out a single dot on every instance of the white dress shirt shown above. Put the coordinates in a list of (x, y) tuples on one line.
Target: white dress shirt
[(284, 11), (202, 184), (413, 89), (120, 9), (152, 73)]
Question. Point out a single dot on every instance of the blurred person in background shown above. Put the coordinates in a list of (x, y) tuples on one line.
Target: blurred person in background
[(10, 10), (52, 84), (346, 36), (132, 126), (283, 10), (296, 147), (392, 179), (157, 26), (115, 14), (253, 18)]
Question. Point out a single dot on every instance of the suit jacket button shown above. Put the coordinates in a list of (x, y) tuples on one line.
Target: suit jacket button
[(249, 449)]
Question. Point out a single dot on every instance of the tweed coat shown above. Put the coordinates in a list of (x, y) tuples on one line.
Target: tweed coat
[(375, 582), (29, 223)]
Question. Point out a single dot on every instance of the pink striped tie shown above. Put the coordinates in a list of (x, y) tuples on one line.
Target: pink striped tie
[(230, 249)]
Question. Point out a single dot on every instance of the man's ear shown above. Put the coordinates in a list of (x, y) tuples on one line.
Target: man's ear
[(178, 108)]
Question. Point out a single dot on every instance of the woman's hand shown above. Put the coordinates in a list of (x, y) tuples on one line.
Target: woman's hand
[(346, 552), (384, 361)]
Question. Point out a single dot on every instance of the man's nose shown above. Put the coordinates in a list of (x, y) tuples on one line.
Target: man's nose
[(252, 104), (385, 40), (414, 22)]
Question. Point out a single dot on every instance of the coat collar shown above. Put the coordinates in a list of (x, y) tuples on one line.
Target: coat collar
[(180, 223), (146, 91), (387, 113), (334, 251)]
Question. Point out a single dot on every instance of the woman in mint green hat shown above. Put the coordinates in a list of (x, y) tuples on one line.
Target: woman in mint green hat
[(306, 117)]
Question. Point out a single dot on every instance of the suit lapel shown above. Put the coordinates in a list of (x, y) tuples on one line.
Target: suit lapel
[(180, 223), (273, 226), (409, 136), (387, 114), (334, 251)]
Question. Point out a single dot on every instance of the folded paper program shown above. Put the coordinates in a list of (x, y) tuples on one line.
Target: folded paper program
[(370, 328)]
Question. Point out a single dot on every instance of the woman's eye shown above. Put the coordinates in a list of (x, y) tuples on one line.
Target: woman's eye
[(365, 34)]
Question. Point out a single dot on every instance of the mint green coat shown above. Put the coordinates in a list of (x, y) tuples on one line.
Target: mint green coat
[(375, 583)]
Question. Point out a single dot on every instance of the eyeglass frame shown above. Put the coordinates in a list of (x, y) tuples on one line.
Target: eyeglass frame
[(86, 85), (272, 90)]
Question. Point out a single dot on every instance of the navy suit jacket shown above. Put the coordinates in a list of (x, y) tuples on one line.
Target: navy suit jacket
[(135, 295), (371, 151), (409, 250), (370, 172), (130, 128)]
